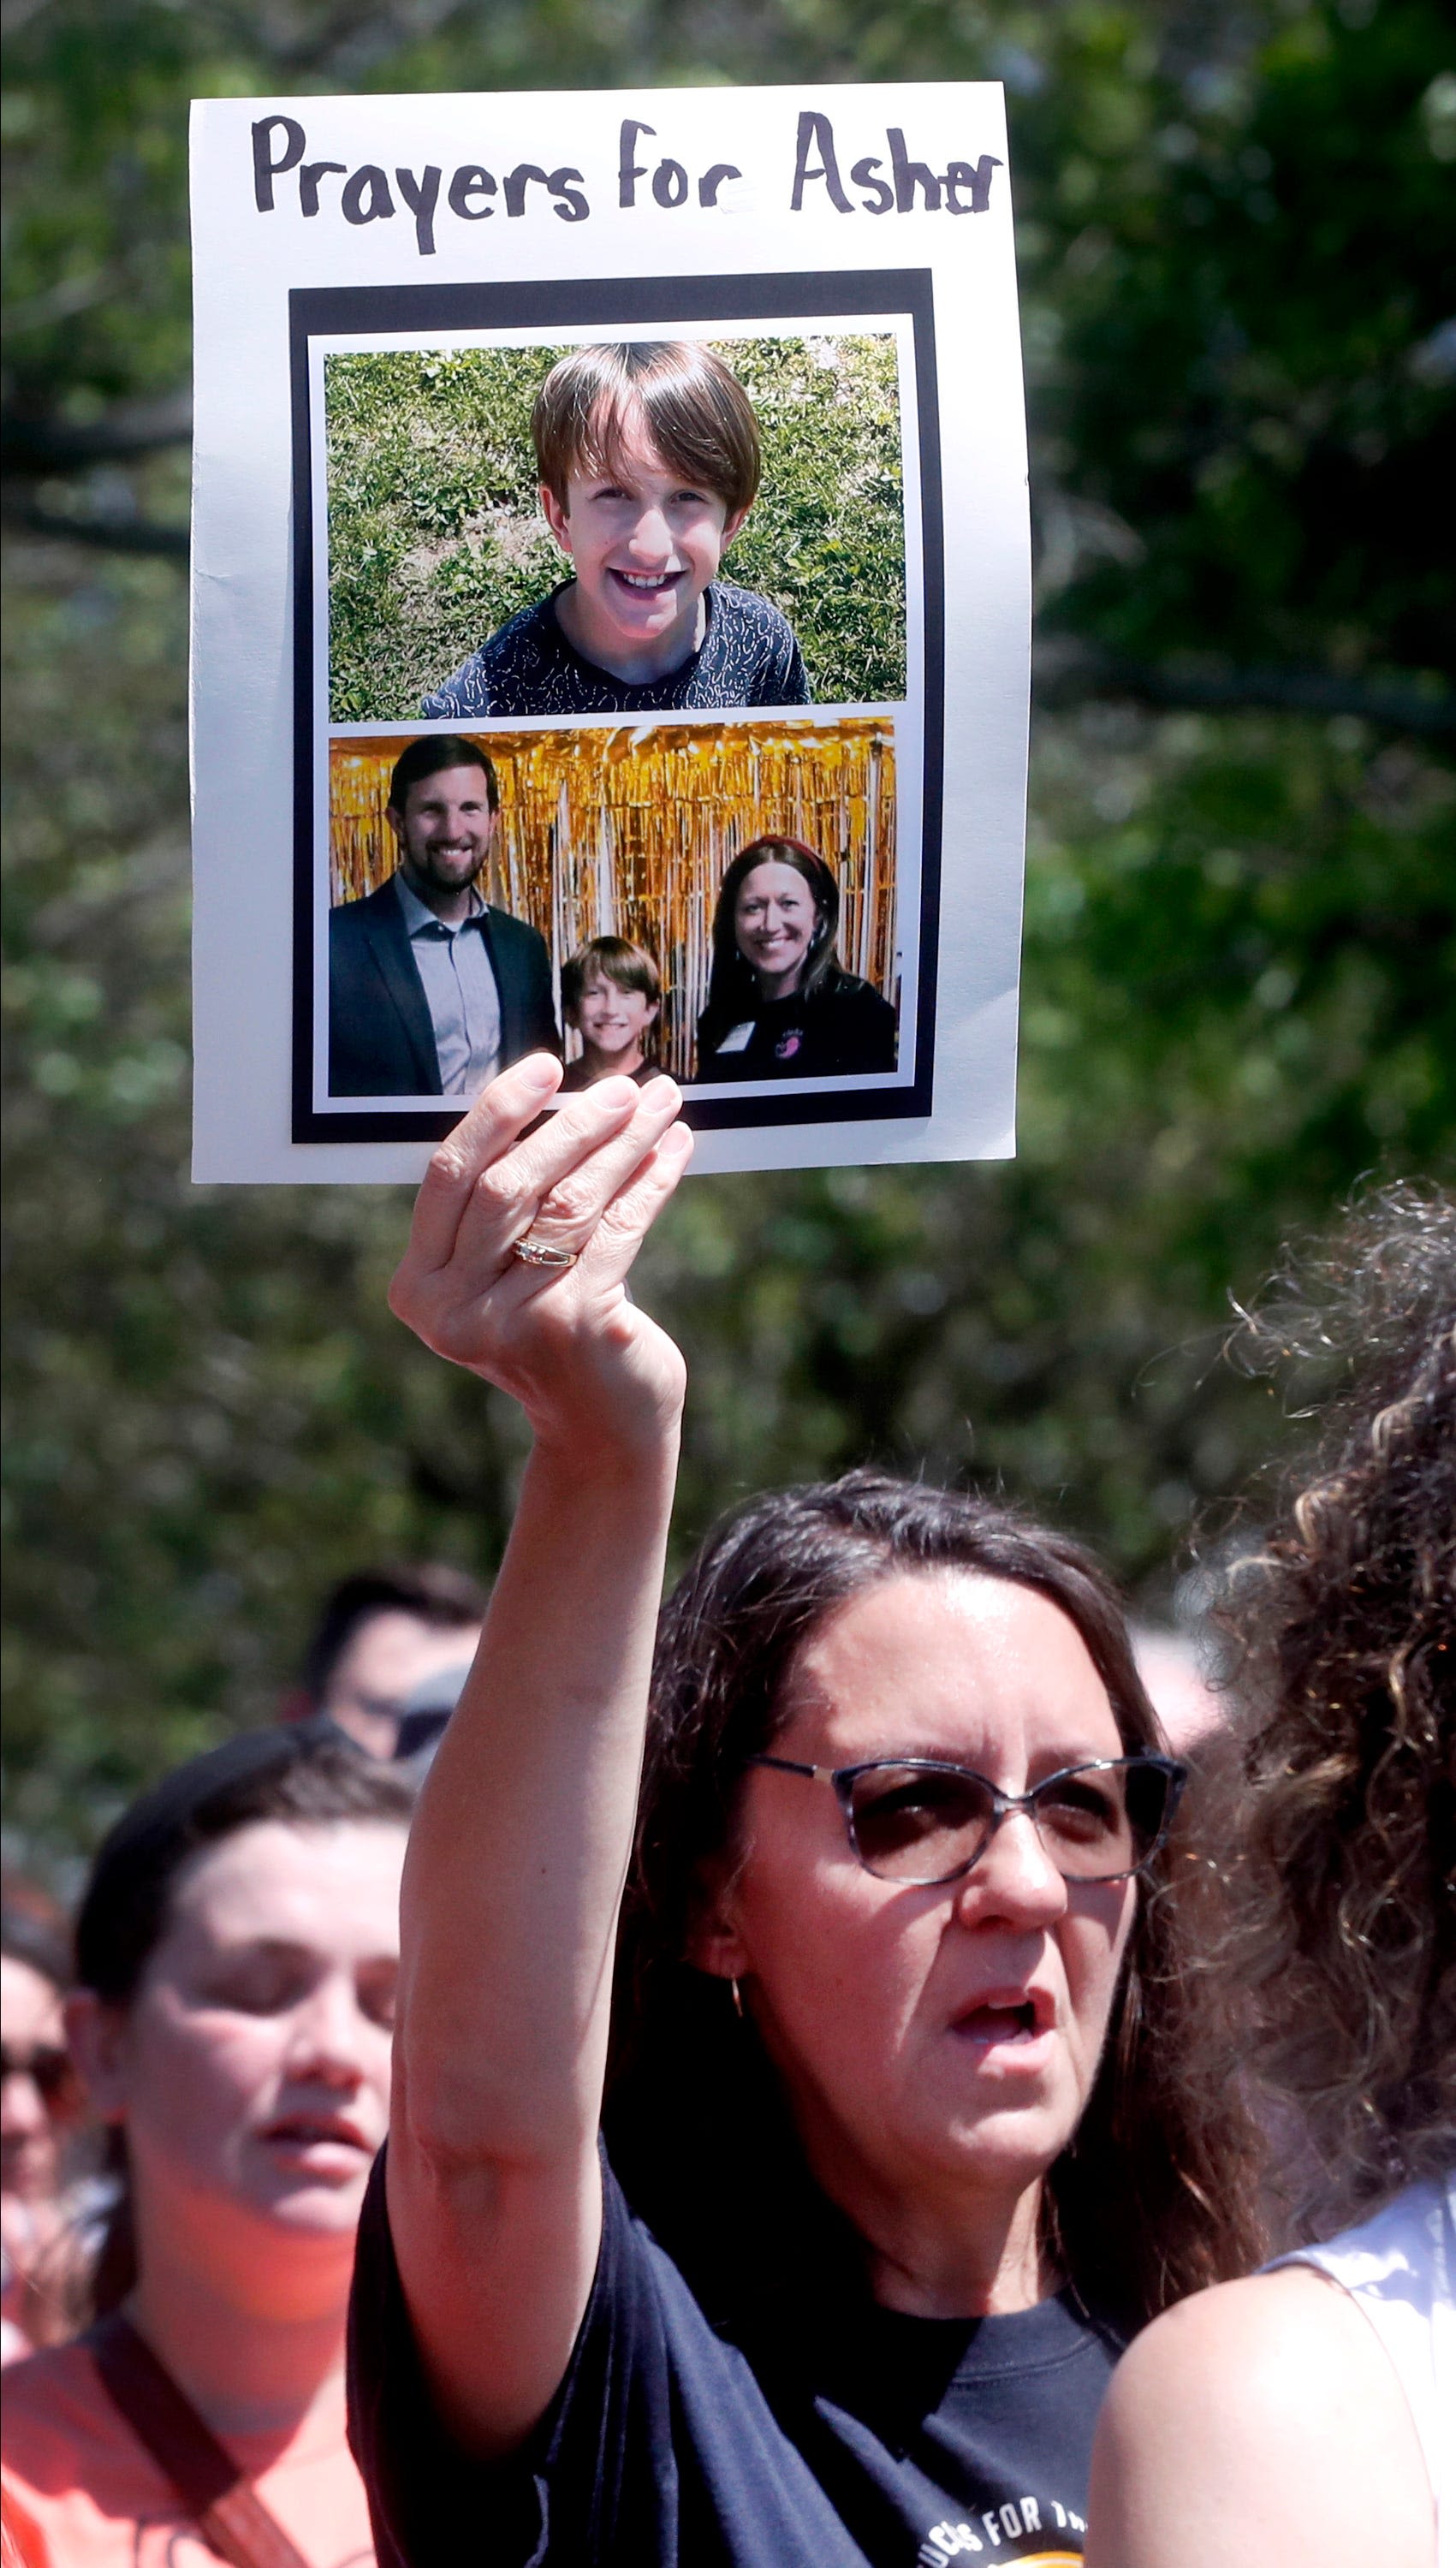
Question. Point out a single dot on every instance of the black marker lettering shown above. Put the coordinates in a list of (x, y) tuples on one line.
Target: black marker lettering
[(308, 182), (863, 175), (711, 179), (370, 183), (472, 180), (628, 169), (817, 133), (265, 168), (570, 205), (422, 195), (959, 174), (516, 182), (909, 175), (670, 182)]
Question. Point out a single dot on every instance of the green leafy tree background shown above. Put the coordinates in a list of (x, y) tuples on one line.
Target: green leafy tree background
[(1236, 238), (436, 532)]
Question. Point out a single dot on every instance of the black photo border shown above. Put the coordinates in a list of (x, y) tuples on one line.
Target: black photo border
[(414, 311)]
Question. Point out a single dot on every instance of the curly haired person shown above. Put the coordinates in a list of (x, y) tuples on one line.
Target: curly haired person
[(1308, 2413)]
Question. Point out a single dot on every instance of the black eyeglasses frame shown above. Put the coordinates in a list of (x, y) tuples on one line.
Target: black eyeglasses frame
[(1002, 1804)]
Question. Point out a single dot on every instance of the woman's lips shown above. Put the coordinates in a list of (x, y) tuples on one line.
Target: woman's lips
[(304, 2135), (1017, 2029), (999, 2024)]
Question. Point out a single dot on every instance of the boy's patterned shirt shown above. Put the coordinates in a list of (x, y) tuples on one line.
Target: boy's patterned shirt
[(749, 657)]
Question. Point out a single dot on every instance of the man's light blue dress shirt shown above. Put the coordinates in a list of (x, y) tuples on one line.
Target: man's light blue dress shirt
[(459, 992)]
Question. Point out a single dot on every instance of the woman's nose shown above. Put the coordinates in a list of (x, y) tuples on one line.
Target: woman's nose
[(1015, 1876), (329, 2036), (22, 2106)]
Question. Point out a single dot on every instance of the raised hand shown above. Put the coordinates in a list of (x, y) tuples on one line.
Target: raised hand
[(566, 1342)]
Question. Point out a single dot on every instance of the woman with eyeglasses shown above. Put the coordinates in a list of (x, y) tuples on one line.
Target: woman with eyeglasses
[(901, 2141)]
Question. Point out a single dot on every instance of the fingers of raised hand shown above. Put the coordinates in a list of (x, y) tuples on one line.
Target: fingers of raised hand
[(557, 1183), (627, 1219), (496, 1119)]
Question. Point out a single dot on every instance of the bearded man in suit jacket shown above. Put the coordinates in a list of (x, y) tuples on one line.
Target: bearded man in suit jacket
[(430, 990)]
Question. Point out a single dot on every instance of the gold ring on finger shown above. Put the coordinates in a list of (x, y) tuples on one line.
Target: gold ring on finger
[(540, 1252)]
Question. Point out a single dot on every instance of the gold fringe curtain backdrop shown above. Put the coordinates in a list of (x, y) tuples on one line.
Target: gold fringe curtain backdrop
[(629, 831)]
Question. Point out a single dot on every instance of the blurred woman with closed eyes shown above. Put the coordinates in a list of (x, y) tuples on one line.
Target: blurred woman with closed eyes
[(237, 1954)]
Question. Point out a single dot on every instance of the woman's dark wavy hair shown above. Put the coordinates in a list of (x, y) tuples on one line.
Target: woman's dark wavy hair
[(731, 987), (1153, 2199), (1343, 1622), (125, 1909)]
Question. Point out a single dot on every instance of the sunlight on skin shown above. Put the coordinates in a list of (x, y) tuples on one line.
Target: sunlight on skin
[(929, 2109), (251, 2076)]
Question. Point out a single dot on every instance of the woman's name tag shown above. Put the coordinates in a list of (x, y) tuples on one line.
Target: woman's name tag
[(739, 1038)]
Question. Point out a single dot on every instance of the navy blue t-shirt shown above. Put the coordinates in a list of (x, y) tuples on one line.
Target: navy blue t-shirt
[(749, 657), (885, 2443)]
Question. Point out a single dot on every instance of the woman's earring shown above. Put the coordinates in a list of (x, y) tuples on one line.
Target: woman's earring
[(736, 1998)]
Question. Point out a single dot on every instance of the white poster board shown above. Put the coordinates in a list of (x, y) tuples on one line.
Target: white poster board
[(398, 299)]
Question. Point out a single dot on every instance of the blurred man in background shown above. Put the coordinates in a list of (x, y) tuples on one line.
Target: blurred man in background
[(384, 1638)]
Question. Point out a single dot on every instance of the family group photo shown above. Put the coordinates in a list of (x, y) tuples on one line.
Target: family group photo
[(721, 900)]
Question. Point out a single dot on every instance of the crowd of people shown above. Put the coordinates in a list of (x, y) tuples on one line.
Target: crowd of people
[(866, 2087)]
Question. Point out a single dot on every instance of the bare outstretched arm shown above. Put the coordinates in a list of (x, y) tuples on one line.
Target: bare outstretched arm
[(519, 1851)]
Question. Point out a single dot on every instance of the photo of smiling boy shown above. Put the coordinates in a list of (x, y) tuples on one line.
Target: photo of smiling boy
[(612, 996), (649, 460)]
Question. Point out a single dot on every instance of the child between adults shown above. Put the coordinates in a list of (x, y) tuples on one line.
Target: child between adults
[(649, 460), (238, 1952), (612, 993)]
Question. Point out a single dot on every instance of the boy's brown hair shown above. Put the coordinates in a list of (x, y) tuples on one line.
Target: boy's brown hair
[(696, 414), (613, 959)]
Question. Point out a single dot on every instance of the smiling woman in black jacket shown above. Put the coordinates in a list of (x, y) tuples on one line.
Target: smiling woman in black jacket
[(779, 1003)]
